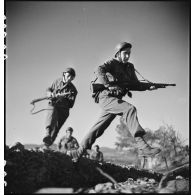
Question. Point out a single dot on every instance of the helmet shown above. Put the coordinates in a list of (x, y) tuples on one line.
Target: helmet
[(97, 146), (69, 129), (71, 71), (122, 46)]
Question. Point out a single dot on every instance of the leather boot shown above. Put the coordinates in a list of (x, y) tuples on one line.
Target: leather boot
[(77, 153), (47, 140), (144, 148)]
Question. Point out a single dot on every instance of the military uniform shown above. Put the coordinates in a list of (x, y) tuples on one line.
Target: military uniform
[(65, 144), (58, 109), (117, 70), (98, 156), (113, 105)]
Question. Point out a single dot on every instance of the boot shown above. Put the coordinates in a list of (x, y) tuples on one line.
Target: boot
[(47, 140), (145, 148), (76, 154)]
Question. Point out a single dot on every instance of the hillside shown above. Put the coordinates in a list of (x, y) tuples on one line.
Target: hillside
[(29, 171), (110, 154)]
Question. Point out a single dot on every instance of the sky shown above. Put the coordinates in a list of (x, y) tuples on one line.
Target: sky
[(43, 38)]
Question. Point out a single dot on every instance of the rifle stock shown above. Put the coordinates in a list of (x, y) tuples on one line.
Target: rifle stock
[(47, 98), (138, 86), (38, 99)]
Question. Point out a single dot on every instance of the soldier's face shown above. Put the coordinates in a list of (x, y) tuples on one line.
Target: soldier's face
[(67, 77), (125, 55), (68, 133)]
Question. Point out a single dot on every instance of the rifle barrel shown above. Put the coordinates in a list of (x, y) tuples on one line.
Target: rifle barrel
[(165, 84), (45, 98)]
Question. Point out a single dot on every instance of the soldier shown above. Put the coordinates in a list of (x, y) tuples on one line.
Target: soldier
[(67, 142), (59, 105), (110, 100), (96, 154)]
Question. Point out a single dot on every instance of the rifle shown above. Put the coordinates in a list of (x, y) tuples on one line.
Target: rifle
[(47, 98), (39, 99), (134, 86)]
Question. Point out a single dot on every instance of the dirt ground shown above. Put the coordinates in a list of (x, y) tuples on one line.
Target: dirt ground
[(29, 171)]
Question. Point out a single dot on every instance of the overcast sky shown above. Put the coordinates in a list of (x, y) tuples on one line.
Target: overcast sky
[(46, 37)]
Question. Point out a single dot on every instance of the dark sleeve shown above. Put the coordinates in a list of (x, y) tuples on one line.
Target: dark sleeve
[(101, 72), (132, 73)]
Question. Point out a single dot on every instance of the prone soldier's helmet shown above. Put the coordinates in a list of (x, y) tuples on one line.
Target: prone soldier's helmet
[(97, 146), (69, 129), (121, 46), (70, 71)]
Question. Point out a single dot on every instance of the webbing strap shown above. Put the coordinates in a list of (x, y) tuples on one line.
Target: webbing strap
[(38, 110), (143, 77)]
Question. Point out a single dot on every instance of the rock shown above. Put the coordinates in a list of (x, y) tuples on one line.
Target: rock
[(151, 181), (179, 177), (180, 172), (126, 191), (91, 191), (103, 187), (54, 190), (175, 186)]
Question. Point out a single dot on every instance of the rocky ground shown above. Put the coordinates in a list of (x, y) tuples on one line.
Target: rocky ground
[(29, 171)]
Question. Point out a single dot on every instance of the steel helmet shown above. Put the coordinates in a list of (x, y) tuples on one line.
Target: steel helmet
[(71, 71), (97, 146), (69, 129), (121, 46)]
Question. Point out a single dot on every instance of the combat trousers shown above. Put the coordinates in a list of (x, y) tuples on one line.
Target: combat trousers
[(111, 107), (56, 117)]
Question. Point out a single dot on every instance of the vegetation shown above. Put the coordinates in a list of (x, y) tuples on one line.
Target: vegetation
[(173, 149)]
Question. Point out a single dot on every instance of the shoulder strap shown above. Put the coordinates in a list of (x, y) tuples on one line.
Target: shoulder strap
[(142, 76)]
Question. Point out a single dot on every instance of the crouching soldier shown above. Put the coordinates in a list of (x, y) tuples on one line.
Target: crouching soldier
[(68, 142), (96, 154), (62, 94)]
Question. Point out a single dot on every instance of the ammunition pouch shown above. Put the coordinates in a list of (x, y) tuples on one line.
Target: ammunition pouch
[(119, 93), (95, 89)]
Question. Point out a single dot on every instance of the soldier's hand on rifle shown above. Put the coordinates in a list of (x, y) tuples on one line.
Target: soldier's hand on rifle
[(152, 88), (115, 90)]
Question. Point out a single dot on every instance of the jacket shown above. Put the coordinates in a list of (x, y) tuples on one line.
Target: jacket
[(58, 86), (116, 71), (67, 143)]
